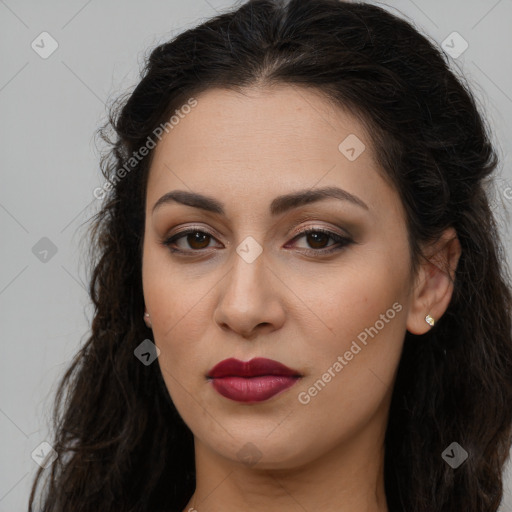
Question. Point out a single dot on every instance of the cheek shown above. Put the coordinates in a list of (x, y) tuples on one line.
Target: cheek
[(171, 310), (171, 297), (181, 313), (351, 296), (351, 386), (365, 309)]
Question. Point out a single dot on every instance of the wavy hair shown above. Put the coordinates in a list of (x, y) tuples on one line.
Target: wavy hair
[(122, 445)]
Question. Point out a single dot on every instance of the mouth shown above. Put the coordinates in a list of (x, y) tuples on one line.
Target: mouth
[(251, 381)]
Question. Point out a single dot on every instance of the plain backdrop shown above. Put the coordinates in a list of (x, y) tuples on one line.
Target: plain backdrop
[(50, 108)]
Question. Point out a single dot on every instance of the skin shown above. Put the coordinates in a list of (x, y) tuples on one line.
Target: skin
[(301, 310)]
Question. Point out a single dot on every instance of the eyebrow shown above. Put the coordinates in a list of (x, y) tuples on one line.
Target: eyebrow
[(278, 206)]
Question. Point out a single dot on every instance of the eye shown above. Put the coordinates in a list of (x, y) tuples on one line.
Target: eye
[(198, 240), (317, 238)]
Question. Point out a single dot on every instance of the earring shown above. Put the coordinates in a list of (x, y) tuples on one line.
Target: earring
[(147, 320), (429, 320)]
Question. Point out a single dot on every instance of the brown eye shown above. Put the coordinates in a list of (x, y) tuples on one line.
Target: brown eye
[(195, 239), (198, 237), (317, 239)]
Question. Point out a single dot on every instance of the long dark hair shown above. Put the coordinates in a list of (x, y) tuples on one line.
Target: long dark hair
[(122, 445)]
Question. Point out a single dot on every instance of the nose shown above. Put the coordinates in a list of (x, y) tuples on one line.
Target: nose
[(250, 298)]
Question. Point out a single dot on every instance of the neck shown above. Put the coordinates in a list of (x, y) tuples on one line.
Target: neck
[(349, 478)]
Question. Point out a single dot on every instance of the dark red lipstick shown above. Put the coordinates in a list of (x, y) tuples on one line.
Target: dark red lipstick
[(251, 381)]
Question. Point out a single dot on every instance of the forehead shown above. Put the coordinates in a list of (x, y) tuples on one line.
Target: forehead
[(291, 121), (263, 142)]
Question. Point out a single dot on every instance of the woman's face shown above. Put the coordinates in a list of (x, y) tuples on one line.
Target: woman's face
[(249, 285)]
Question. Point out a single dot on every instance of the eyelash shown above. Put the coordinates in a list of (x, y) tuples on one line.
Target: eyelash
[(341, 240)]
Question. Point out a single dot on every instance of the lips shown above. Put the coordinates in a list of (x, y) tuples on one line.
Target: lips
[(257, 367), (251, 381)]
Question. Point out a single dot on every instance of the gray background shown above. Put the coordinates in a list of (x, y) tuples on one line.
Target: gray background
[(50, 109)]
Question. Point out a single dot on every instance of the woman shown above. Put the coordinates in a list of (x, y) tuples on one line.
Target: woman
[(301, 301)]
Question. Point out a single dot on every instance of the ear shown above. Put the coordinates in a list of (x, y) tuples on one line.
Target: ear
[(433, 285)]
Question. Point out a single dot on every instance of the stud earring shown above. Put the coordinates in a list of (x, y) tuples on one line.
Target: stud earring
[(147, 320), (429, 320)]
